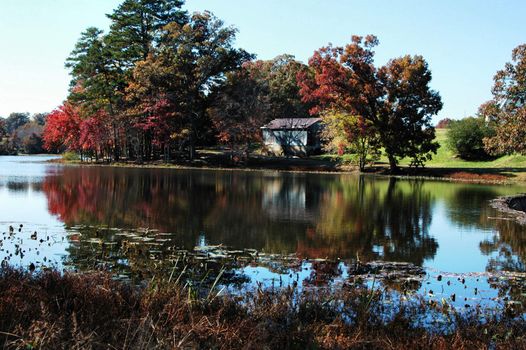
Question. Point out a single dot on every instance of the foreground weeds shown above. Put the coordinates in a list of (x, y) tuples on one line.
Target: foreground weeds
[(50, 310)]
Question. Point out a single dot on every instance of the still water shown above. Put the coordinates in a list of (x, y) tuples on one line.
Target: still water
[(81, 214)]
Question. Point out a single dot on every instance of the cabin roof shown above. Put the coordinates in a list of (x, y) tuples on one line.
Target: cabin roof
[(291, 123)]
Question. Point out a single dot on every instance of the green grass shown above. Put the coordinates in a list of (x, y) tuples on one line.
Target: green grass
[(445, 158)]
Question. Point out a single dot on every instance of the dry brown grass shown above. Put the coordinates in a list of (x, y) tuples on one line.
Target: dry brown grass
[(462, 175), (91, 311)]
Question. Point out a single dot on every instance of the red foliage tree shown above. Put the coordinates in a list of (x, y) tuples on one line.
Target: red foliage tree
[(395, 99), (63, 129), (443, 123), (95, 134)]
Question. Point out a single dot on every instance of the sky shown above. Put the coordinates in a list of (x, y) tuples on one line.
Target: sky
[(464, 41)]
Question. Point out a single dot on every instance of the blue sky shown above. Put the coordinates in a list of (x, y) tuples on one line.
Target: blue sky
[(464, 41)]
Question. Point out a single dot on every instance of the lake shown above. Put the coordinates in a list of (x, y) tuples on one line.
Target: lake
[(126, 219)]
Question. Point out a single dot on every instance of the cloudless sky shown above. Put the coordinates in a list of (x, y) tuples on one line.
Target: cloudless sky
[(464, 41)]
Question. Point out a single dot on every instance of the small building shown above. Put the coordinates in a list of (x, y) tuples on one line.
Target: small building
[(292, 136)]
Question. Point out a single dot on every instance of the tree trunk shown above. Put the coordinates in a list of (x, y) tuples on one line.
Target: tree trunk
[(115, 144), (393, 166), (362, 163), (191, 150)]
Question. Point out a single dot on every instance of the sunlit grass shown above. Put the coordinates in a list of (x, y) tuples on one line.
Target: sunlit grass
[(446, 158)]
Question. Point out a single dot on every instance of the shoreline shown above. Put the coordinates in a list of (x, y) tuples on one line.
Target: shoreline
[(458, 175)]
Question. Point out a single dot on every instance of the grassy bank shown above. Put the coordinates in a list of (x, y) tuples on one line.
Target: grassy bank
[(445, 158), (91, 311), (447, 165)]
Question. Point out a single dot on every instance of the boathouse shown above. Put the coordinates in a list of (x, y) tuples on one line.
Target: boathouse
[(292, 136)]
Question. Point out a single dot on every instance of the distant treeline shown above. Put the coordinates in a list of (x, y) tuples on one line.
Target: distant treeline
[(22, 133)]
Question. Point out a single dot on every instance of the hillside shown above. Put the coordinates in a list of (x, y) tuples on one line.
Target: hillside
[(445, 158)]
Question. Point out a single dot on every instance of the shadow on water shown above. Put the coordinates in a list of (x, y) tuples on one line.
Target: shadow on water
[(312, 216)]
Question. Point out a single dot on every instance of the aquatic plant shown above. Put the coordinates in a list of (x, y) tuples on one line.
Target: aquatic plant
[(53, 310)]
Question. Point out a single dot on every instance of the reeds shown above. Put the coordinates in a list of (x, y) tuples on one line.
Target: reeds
[(51, 310)]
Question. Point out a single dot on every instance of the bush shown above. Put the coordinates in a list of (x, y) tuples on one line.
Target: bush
[(465, 137), (70, 156)]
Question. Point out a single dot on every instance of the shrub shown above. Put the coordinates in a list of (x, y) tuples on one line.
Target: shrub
[(465, 137), (70, 156)]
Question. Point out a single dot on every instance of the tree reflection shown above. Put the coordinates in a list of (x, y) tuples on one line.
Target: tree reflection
[(505, 247), (373, 219), (507, 252), (312, 215), (468, 205)]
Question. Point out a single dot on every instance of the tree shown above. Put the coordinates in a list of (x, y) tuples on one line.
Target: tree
[(33, 144), (97, 81), (191, 60), (30, 138), (507, 110), (101, 64), (62, 129), (239, 109), (443, 123), (3, 128), (466, 138), (255, 94), (346, 133), (136, 26), (94, 135), (407, 108), (40, 118), (16, 120), (278, 80), (135, 32), (396, 98)]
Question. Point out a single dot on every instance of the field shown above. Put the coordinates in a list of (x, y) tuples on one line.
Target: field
[(445, 158)]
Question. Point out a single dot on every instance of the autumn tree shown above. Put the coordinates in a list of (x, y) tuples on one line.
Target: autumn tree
[(396, 98), (345, 133), (97, 81), (239, 109), (260, 91), (62, 129), (443, 123), (506, 112), (190, 61), (101, 64)]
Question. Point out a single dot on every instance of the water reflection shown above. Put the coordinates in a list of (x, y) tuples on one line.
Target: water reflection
[(373, 219), (468, 206), (312, 215), (438, 225)]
